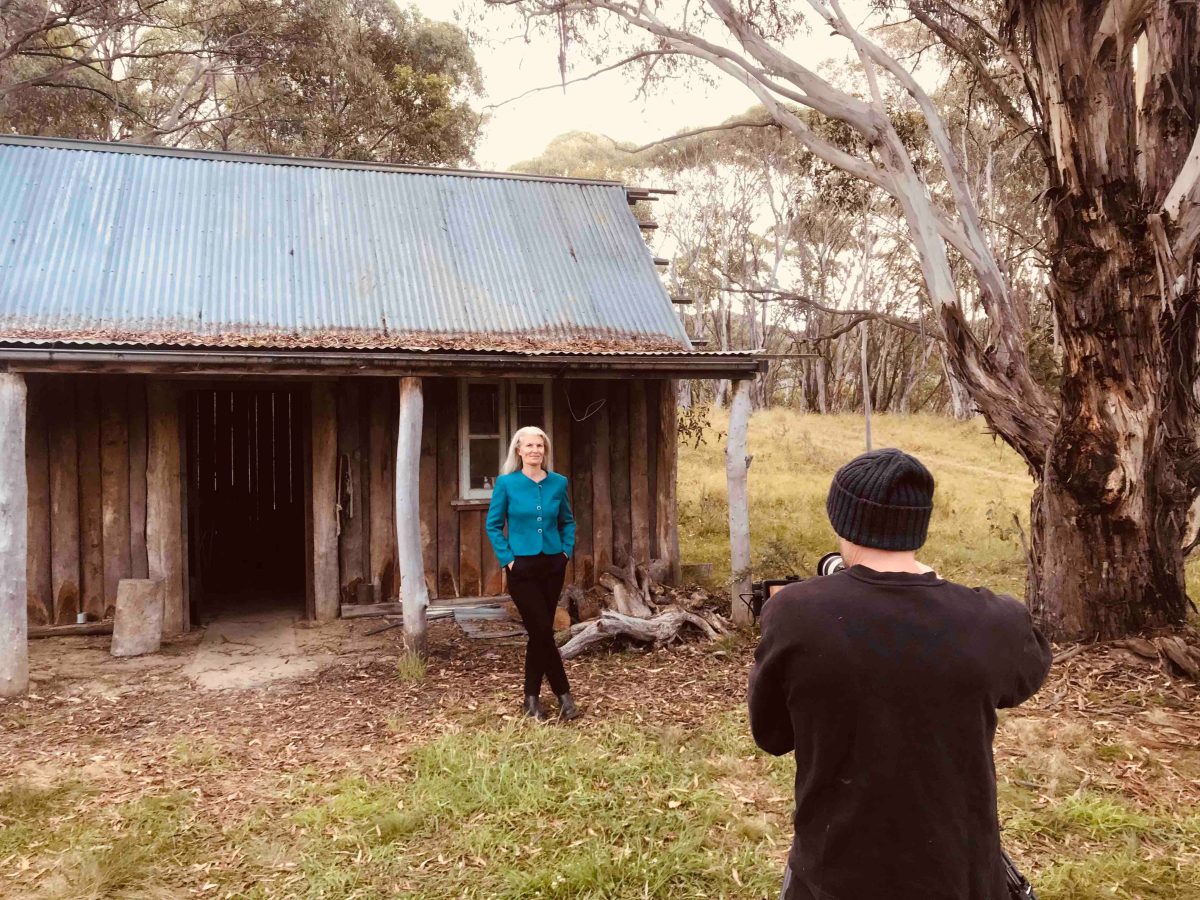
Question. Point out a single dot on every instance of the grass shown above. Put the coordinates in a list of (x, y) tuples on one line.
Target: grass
[(541, 812), (410, 668), (981, 504), (518, 811), (623, 806)]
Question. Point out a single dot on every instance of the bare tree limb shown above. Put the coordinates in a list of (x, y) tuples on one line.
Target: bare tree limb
[(645, 54), (710, 129)]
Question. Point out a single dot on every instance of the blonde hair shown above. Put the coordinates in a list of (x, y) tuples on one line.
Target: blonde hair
[(513, 461)]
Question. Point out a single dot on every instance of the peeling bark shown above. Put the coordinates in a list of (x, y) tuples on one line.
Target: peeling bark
[(1110, 516)]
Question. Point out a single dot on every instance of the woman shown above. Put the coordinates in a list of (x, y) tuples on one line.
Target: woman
[(533, 502)]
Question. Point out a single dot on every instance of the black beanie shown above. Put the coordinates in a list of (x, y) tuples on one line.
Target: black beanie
[(882, 499)]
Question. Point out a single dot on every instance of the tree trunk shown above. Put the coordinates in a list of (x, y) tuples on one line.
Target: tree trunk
[(14, 500), (961, 406), (413, 592), (1111, 512), (1118, 480), (737, 465)]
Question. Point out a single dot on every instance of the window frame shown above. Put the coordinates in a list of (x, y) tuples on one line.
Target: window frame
[(508, 423)]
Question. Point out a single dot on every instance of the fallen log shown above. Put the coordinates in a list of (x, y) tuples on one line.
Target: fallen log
[(87, 628), (658, 630)]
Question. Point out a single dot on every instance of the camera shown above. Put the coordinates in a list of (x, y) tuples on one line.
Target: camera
[(762, 591)]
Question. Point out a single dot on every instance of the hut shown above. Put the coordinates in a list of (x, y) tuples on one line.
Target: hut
[(266, 379)]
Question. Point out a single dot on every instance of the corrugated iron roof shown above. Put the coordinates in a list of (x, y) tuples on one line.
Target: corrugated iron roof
[(107, 244)]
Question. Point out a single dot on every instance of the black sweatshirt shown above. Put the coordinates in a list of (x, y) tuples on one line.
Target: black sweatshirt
[(886, 685)]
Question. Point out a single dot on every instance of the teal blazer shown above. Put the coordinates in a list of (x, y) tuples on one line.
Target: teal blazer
[(538, 515)]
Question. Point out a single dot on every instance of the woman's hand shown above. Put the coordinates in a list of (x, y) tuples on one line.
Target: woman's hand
[(510, 565)]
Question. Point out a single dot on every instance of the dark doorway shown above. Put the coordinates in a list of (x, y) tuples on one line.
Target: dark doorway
[(246, 485)]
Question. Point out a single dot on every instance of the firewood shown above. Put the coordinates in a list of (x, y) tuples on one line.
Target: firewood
[(628, 596), (659, 630)]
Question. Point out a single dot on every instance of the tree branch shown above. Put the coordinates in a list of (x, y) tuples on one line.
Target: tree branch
[(559, 85), (683, 135)]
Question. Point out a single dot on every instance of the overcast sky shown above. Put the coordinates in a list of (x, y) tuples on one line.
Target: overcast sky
[(605, 105)]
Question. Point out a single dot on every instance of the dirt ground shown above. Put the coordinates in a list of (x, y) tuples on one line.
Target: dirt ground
[(122, 721), (135, 727)]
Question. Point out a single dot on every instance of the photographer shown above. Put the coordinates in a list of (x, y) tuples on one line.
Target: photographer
[(884, 679)]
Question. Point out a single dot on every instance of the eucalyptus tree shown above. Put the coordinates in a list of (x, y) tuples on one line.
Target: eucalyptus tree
[(1109, 94), (351, 79)]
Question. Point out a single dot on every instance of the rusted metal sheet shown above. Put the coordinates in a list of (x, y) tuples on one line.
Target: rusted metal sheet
[(104, 244)]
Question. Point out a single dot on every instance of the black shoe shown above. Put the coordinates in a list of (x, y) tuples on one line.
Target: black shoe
[(566, 707), (533, 708)]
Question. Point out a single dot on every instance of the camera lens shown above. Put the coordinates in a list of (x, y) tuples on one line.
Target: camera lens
[(830, 563)]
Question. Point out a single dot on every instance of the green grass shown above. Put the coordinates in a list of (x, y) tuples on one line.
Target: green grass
[(410, 668), (542, 812), (616, 811)]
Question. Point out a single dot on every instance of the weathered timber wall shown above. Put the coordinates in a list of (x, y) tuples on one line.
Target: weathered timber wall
[(605, 441), (88, 438)]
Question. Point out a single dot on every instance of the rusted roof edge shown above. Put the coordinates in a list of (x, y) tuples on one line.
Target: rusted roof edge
[(354, 362), (50, 143)]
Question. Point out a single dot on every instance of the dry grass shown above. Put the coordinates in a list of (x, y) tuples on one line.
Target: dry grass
[(981, 507)]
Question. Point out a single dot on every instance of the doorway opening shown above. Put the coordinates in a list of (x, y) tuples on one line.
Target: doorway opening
[(246, 493)]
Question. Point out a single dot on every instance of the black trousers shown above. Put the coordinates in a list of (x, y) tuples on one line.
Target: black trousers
[(534, 582)]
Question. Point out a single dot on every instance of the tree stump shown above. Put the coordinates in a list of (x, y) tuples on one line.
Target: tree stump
[(138, 621)]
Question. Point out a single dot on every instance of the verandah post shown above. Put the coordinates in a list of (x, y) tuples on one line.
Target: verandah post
[(414, 593), (737, 466), (14, 502)]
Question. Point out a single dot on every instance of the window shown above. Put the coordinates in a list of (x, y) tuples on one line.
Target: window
[(489, 413)]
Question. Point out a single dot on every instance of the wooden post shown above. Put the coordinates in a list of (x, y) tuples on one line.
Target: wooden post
[(445, 390), (737, 464), (413, 593), (91, 514), (164, 503), (582, 438), (114, 485), (383, 490), (561, 461), (667, 521), (40, 603), (639, 475), (64, 500), (139, 554), (324, 504), (618, 430), (602, 515), (429, 496), (866, 383), (351, 491), (14, 537)]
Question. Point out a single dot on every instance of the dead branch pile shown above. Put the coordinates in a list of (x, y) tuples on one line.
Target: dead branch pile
[(630, 602)]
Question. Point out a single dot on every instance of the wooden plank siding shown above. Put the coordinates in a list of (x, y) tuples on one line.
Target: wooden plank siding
[(90, 439), (38, 580), (583, 437), (352, 494)]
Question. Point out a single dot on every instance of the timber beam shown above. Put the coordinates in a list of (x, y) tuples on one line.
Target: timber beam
[(431, 363)]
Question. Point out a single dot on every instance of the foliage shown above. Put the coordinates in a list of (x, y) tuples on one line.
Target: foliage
[(361, 80), (694, 426)]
